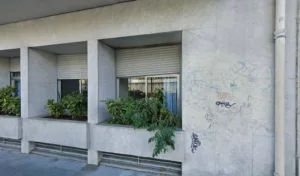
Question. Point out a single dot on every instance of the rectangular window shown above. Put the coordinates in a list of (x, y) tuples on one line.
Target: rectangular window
[(142, 87), (15, 81), (67, 86), (169, 85)]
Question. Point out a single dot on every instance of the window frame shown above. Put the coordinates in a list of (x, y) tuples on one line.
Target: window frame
[(59, 86), (14, 79), (155, 76)]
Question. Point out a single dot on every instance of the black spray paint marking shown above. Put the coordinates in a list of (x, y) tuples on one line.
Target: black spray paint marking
[(195, 142), (224, 104)]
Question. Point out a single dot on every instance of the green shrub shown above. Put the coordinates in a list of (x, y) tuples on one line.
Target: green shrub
[(11, 105), (8, 103), (55, 109), (163, 138), (159, 94), (118, 108), (76, 104), (147, 113), (120, 121), (7, 91)]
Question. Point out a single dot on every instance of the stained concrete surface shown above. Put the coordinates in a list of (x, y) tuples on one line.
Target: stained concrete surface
[(17, 164)]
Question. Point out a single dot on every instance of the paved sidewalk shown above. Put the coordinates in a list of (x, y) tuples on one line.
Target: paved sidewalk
[(17, 164)]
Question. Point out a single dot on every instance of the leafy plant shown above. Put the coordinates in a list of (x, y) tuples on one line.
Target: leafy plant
[(149, 113), (11, 105), (7, 91), (8, 103), (55, 109), (116, 107), (76, 104), (159, 94), (120, 121), (163, 138)]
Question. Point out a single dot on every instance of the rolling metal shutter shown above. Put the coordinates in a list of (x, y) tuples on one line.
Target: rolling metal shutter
[(15, 65), (148, 61), (72, 66)]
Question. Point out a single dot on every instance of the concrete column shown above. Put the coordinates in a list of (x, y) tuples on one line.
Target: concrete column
[(102, 80), (39, 81), (26, 146), (93, 86), (4, 72), (94, 157), (24, 80), (102, 85)]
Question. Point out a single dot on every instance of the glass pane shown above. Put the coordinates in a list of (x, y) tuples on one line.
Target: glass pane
[(18, 86), (69, 86), (169, 85), (132, 87), (15, 81)]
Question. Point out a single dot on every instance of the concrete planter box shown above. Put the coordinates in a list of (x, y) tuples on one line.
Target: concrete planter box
[(10, 127), (59, 132), (129, 141)]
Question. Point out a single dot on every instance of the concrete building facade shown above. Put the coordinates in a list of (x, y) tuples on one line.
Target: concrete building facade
[(227, 56)]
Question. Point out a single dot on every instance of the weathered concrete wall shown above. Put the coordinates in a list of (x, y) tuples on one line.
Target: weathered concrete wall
[(227, 56), (60, 132), (135, 18), (10, 127), (290, 90), (129, 141), (4, 72), (232, 63), (39, 81)]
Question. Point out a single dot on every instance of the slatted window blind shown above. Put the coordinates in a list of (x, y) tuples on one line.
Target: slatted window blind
[(148, 61), (72, 66)]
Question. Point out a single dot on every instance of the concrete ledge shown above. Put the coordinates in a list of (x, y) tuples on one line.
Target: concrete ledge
[(59, 132), (10, 127), (129, 141)]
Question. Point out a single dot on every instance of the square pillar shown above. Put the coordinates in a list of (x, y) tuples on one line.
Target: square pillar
[(102, 85), (93, 73), (94, 157), (39, 81), (102, 80), (26, 146)]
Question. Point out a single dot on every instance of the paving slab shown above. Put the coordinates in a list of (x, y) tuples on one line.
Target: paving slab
[(17, 164)]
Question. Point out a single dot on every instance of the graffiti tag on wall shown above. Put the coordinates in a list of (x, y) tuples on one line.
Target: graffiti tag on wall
[(224, 104), (195, 142)]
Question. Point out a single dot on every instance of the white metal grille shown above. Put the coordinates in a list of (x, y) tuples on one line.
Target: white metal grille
[(148, 61), (150, 165), (59, 151), (10, 144), (72, 66)]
